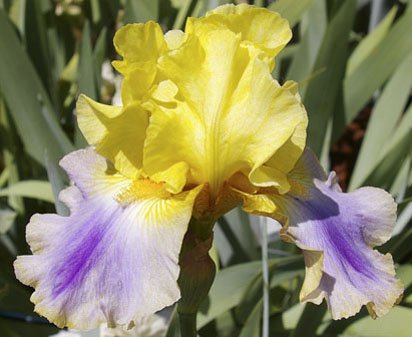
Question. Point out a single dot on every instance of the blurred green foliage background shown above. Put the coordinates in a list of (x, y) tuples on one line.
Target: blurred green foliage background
[(353, 61)]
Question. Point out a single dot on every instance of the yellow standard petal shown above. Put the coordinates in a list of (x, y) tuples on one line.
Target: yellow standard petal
[(141, 45), (259, 27), (117, 132), (138, 43), (229, 114), (275, 170)]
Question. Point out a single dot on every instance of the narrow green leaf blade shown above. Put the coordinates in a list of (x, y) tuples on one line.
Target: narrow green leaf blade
[(370, 42), (17, 14), (141, 10), (291, 10), (310, 320), (232, 283), (239, 253), (7, 217), (280, 271), (173, 329), (35, 189), (252, 325), (305, 57), (378, 66), (8, 141), (404, 126), (385, 171), (99, 55), (227, 290), (86, 70), (384, 118), (182, 13), (395, 323), (323, 90), (96, 11), (241, 227), (55, 175), (86, 76), (27, 99)]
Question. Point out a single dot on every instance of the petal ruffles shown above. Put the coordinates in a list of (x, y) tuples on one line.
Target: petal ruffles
[(118, 133), (229, 114), (336, 232), (260, 28), (108, 261), (204, 100)]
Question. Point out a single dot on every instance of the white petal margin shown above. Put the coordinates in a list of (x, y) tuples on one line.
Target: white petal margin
[(105, 263)]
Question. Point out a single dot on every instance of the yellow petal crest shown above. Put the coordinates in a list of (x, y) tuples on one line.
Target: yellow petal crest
[(138, 43), (259, 27), (141, 45)]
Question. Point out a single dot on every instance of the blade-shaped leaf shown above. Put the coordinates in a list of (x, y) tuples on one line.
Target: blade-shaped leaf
[(252, 325), (54, 173), (35, 189), (386, 169), (184, 6), (302, 64), (96, 11), (291, 10), (227, 290), (402, 245), (173, 329), (323, 90), (370, 42), (7, 217), (241, 227), (8, 140), (232, 283), (27, 99), (141, 10), (378, 66), (99, 54), (382, 122), (403, 219), (17, 14), (395, 323), (285, 270), (404, 126), (86, 75), (310, 320), (236, 250)]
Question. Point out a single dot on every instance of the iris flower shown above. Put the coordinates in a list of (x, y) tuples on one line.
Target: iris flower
[(203, 128)]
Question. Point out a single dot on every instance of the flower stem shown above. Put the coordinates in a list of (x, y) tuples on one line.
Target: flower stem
[(265, 272), (188, 325), (197, 272)]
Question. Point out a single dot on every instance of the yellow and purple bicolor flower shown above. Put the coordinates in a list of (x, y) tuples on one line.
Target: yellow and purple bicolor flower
[(203, 128)]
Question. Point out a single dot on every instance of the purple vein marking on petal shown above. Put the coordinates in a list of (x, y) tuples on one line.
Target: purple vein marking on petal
[(341, 232), (346, 248), (84, 251)]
